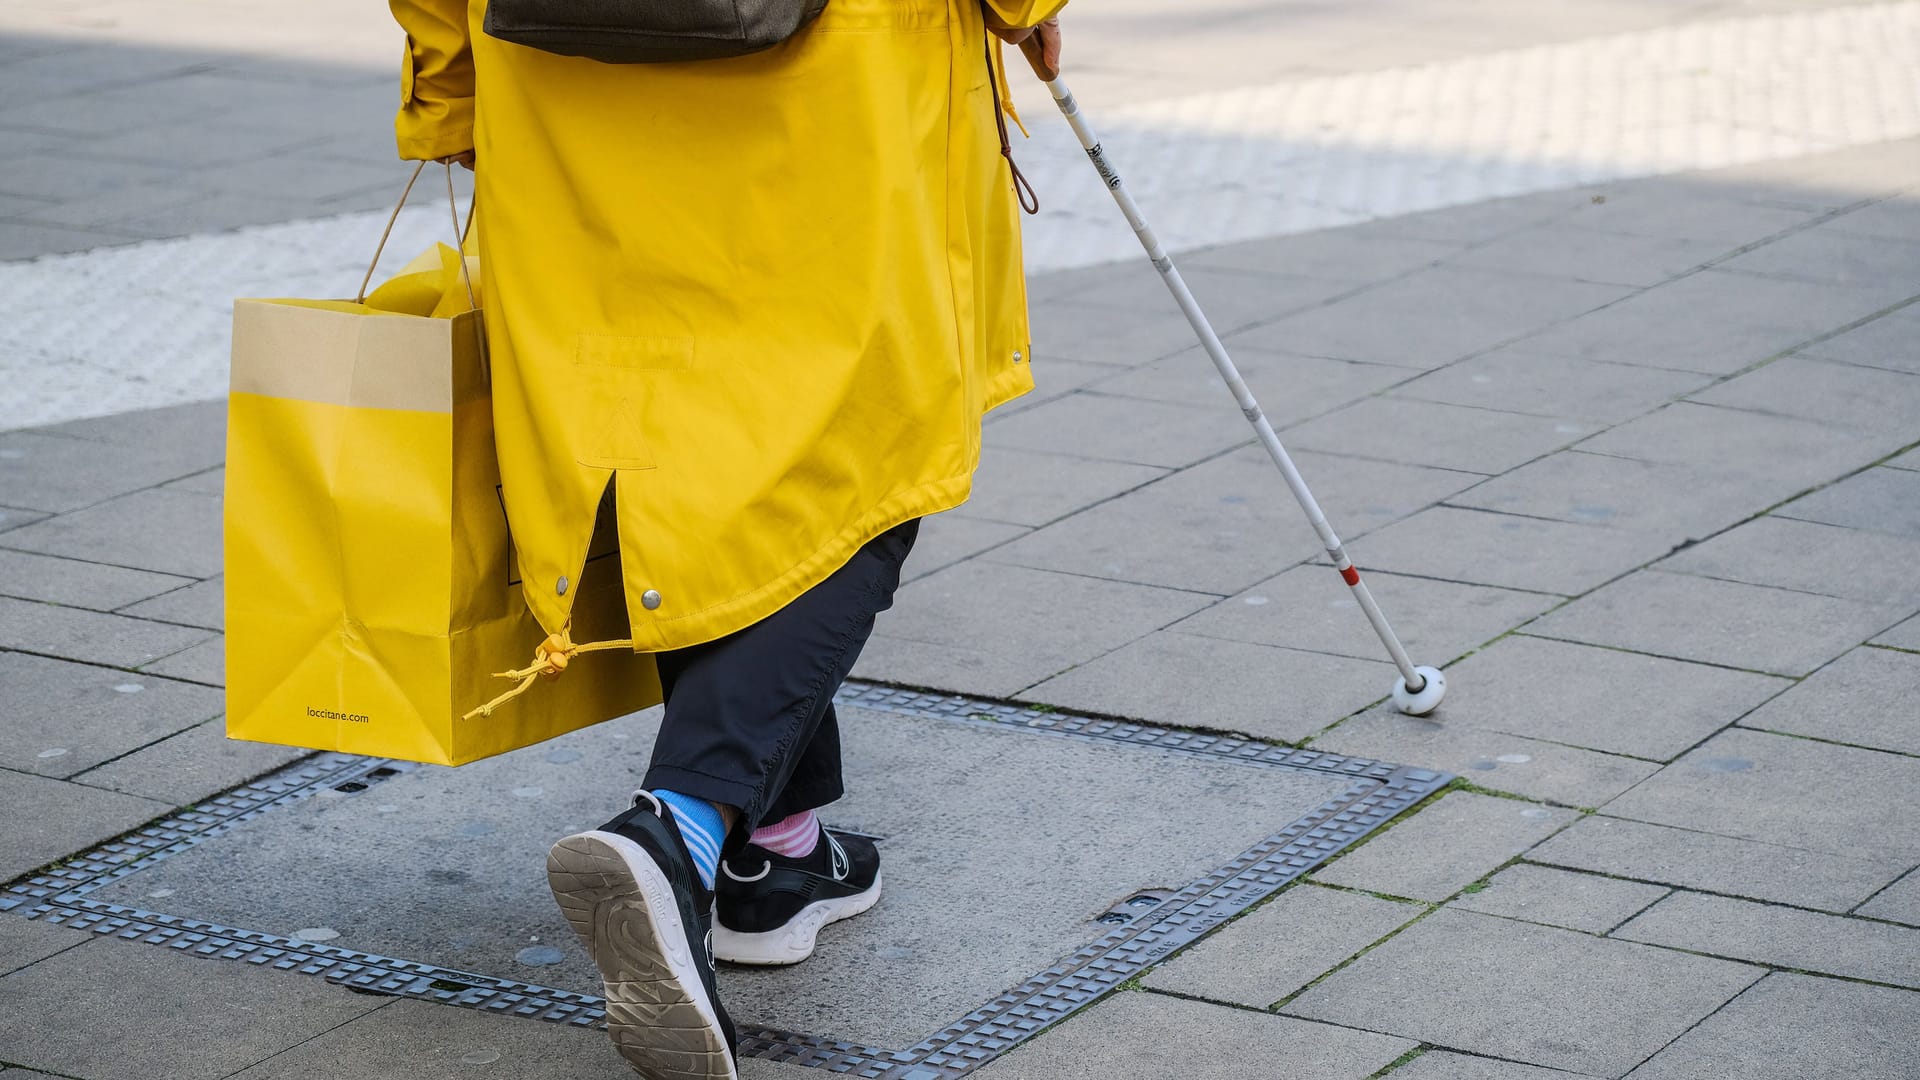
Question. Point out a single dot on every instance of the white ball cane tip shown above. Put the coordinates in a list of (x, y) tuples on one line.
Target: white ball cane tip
[(1427, 699)]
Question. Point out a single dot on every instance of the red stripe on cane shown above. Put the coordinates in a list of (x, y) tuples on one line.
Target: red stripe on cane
[(1352, 574)]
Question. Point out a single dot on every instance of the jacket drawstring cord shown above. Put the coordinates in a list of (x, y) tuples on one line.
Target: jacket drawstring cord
[(1023, 189), (549, 658)]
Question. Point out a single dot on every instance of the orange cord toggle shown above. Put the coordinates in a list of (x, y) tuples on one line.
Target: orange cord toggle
[(550, 658)]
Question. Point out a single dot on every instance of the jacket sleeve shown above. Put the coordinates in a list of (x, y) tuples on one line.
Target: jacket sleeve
[(436, 79), (1022, 13)]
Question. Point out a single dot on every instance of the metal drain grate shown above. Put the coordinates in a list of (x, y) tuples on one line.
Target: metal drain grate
[(1146, 928)]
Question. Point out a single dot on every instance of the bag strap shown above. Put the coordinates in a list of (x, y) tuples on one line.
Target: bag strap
[(459, 231)]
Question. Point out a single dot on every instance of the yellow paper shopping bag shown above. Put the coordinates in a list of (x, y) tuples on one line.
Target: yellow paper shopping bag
[(370, 595)]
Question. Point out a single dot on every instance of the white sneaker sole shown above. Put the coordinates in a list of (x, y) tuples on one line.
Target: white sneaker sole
[(793, 942), (627, 916)]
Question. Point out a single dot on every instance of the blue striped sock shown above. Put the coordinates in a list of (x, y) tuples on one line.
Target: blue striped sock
[(701, 827)]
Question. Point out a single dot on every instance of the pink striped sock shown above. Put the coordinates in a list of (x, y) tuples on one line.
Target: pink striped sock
[(794, 837)]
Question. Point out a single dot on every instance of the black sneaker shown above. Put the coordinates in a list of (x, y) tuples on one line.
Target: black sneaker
[(771, 907), (631, 892)]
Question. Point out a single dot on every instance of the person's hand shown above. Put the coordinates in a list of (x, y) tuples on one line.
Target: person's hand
[(1049, 32), (464, 159)]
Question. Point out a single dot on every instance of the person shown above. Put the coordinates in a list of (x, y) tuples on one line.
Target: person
[(763, 303)]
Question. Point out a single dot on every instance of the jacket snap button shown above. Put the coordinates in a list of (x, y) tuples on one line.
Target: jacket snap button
[(560, 587), (1016, 356), (650, 599)]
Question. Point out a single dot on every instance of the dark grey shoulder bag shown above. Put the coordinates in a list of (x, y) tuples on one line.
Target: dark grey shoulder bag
[(649, 31)]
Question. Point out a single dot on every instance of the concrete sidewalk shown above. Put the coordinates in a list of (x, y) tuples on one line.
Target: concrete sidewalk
[(1638, 463)]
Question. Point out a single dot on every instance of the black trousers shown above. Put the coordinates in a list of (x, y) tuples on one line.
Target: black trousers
[(749, 717)]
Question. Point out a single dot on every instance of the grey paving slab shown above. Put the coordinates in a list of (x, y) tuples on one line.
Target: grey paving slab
[(1105, 336), (1694, 211), (54, 174), (1431, 317), (1794, 1026), (166, 531), (1865, 698), (49, 819), (1565, 249), (167, 1014), (193, 434), (443, 865), (212, 482), (1492, 759), (1602, 699), (11, 518), (1439, 435), (948, 538), (1781, 790), (1446, 846), (1886, 342), (1790, 454), (1586, 902), (1289, 388), (1781, 937), (1221, 526), (1517, 380), (1025, 487), (1446, 1065), (1675, 501), (24, 241), (1310, 607), (53, 580), (65, 718), (203, 663), (1833, 393), (1883, 500), (1282, 946), (1355, 255), (1123, 429), (1053, 378), (201, 604), (89, 635), (1715, 322), (55, 473), (1508, 551), (1895, 217), (1852, 564), (1232, 297), (1140, 1034), (1189, 681), (988, 628), (425, 1041), (1702, 860), (1540, 995), (185, 768), (1898, 902), (24, 941), (1831, 256), (1905, 636), (1718, 622), (1483, 222)]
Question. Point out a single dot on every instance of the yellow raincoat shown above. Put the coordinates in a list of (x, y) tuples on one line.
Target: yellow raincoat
[(766, 298)]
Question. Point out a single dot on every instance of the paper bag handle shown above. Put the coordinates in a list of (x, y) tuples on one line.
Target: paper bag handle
[(460, 231)]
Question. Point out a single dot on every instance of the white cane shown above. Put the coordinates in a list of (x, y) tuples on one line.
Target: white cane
[(1418, 690)]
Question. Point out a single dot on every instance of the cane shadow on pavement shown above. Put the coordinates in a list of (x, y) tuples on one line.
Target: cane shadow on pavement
[(993, 926)]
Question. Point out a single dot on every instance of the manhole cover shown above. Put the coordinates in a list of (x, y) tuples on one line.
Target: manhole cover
[(1032, 862)]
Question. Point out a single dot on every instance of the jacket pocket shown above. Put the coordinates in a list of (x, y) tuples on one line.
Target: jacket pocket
[(620, 384)]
